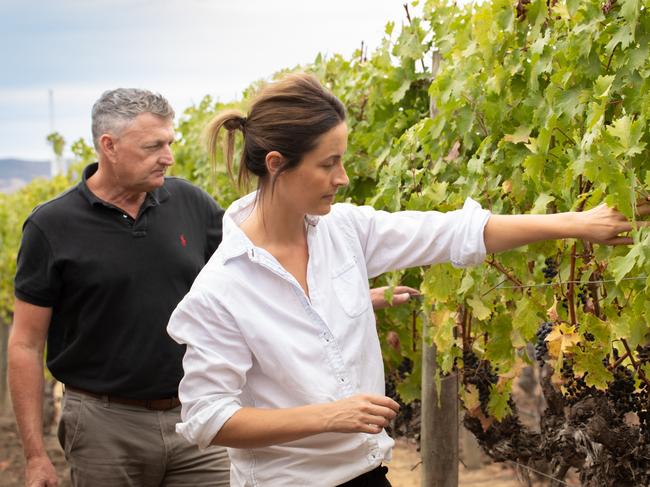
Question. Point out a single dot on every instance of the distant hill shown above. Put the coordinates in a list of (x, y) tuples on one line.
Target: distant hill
[(15, 173)]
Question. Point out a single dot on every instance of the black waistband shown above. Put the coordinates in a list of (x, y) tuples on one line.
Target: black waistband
[(373, 478)]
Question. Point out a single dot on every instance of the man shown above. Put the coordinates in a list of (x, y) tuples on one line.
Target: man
[(100, 269)]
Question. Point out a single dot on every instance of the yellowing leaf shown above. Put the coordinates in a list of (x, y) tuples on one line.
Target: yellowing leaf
[(541, 203), (562, 338), (471, 398), (521, 135), (478, 308)]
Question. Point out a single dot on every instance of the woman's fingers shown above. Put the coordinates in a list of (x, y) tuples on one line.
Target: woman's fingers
[(406, 290), (384, 401), (619, 241), (401, 295), (608, 226), (362, 413)]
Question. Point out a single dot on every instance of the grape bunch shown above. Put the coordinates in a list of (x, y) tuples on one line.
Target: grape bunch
[(644, 410), (541, 348), (479, 373), (550, 269), (575, 388), (621, 391), (582, 294)]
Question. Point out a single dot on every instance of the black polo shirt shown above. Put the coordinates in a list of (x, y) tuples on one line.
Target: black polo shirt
[(112, 283)]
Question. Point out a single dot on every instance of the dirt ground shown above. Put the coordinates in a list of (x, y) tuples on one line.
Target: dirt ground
[(404, 469)]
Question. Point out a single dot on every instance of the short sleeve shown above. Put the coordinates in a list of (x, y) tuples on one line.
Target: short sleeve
[(214, 231), (37, 279)]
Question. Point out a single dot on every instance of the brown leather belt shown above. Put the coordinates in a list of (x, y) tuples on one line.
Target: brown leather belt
[(153, 404)]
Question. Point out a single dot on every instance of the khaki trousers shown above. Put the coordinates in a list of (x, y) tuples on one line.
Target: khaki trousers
[(114, 445)]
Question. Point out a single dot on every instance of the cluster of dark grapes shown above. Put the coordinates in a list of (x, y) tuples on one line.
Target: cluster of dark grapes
[(541, 348), (583, 293), (575, 388), (620, 391), (479, 373), (644, 410), (550, 269)]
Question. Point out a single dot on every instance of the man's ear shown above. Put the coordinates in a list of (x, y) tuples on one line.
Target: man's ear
[(107, 146), (274, 161)]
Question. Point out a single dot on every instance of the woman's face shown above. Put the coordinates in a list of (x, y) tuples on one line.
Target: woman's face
[(311, 186)]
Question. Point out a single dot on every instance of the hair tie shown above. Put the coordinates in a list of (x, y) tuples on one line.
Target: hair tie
[(242, 122)]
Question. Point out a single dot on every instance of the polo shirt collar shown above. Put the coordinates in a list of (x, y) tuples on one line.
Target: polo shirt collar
[(154, 197)]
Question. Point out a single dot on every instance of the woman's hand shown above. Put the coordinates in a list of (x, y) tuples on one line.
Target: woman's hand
[(601, 224), (363, 413), (604, 225)]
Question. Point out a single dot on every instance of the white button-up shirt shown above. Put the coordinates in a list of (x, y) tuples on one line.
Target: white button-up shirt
[(255, 339)]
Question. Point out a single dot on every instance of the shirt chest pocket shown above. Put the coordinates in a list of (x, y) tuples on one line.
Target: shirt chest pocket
[(350, 288)]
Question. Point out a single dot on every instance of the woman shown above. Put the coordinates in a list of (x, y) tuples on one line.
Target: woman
[(283, 363)]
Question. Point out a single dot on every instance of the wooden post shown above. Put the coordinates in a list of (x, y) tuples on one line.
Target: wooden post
[(439, 422), (439, 425)]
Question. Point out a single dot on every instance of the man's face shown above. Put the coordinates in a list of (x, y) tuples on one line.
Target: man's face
[(142, 152)]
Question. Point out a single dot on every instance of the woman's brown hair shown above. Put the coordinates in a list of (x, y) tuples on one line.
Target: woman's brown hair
[(287, 116)]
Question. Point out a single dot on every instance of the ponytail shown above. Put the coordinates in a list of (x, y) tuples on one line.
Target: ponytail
[(231, 121)]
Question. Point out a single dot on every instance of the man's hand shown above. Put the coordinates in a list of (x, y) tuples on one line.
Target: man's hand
[(39, 472), (401, 295), (25, 361)]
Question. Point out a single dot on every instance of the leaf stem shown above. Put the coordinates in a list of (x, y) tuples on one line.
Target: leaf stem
[(573, 142), (619, 361), (609, 61), (498, 266)]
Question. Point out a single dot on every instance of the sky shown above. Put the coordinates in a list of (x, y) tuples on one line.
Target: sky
[(182, 49)]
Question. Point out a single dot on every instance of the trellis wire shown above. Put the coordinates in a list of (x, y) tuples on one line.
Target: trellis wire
[(527, 286), (539, 473)]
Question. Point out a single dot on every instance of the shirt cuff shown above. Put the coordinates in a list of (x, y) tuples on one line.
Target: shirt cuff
[(200, 428), (468, 245)]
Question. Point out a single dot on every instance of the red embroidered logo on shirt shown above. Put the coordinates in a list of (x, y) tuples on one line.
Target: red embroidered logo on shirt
[(183, 241)]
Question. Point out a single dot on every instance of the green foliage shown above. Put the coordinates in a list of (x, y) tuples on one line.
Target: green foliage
[(541, 112), (192, 159), (57, 142), (16, 207)]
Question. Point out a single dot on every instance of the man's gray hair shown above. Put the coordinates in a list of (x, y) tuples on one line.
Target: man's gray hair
[(116, 108)]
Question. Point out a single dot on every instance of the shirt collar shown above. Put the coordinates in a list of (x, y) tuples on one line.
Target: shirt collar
[(154, 197), (235, 241)]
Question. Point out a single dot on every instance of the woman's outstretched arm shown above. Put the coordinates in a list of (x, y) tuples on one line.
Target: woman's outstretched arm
[(601, 224)]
